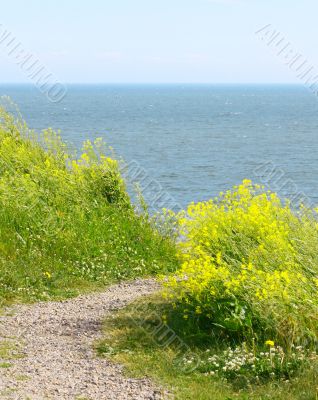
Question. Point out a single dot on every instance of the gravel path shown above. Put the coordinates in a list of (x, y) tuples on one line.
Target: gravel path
[(58, 360)]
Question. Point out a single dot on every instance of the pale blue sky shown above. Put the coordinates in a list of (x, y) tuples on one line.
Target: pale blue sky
[(158, 40)]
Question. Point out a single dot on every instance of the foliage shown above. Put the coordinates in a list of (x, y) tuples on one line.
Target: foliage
[(212, 367), (248, 365), (249, 266), (66, 221)]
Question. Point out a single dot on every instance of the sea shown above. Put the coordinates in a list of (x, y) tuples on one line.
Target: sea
[(188, 142)]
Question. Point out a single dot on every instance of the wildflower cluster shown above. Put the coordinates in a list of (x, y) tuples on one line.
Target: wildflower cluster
[(249, 264), (66, 219), (255, 365)]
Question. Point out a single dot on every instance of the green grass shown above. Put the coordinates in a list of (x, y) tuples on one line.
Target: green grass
[(128, 340), (6, 349), (9, 351), (66, 222), (67, 226), (5, 365)]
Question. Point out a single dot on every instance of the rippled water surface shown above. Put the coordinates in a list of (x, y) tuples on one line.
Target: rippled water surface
[(196, 140)]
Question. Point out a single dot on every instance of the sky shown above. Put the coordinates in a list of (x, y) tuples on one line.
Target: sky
[(158, 41)]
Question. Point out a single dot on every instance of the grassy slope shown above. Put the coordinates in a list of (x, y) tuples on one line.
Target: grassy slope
[(66, 222)]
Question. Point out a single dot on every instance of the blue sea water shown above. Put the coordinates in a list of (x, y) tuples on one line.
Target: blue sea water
[(195, 140)]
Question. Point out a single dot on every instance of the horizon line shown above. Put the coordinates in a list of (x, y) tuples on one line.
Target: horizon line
[(161, 83)]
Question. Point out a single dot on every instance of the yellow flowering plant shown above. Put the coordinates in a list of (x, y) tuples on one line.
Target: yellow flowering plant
[(66, 219), (248, 264)]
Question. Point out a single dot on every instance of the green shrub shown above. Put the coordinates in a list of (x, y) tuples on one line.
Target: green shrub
[(249, 267)]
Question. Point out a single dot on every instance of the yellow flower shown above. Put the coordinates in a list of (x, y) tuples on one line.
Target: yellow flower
[(48, 275), (243, 245)]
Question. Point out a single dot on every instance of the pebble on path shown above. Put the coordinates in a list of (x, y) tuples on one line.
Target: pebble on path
[(58, 360)]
